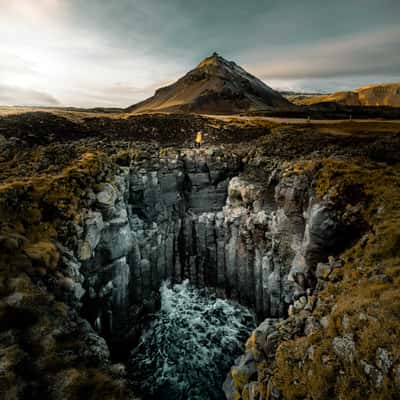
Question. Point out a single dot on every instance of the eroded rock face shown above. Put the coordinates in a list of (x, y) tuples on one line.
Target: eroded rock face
[(182, 217), (254, 236), (160, 219), (304, 235), (251, 234), (195, 215)]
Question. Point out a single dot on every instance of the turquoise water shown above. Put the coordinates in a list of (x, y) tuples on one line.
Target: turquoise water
[(191, 345)]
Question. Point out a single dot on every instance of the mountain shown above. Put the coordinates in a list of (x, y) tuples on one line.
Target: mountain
[(385, 94), (215, 86)]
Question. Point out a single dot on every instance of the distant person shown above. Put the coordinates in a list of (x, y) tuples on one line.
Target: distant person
[(308, 119), (199, 139)]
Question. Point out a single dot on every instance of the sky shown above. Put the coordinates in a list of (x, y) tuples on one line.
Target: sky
[(105, 53)]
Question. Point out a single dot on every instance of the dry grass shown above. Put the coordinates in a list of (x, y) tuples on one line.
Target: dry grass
[(73, 115), (34, 214), (368, 297), (39, 207), (384, 94)]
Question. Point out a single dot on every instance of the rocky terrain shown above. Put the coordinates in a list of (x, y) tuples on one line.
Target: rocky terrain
[(299, 223), (215, 86), (379, 95)]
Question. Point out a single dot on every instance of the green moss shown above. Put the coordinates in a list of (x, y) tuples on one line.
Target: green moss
[(127, 156), (365, 291), (90, 384)]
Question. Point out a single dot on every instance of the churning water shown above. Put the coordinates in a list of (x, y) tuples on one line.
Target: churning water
[(191, 345)]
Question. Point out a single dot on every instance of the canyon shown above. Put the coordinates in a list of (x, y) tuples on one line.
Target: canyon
[(188, 215), (272, 224), (196, 215)]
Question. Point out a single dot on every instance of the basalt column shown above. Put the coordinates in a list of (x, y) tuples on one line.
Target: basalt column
[(160, 219), (194, 215)]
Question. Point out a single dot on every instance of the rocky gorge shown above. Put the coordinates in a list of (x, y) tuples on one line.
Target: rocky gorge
[(288, 236), (186, 216)]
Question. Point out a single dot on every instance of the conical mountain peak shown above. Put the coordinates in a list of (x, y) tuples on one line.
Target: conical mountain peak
[(216, 85), (214, 60)]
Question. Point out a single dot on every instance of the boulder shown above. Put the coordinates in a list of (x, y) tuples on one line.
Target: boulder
[(373, 374), (384, 360), (344, 347), (323, 271), (93, 227), (106, 196)]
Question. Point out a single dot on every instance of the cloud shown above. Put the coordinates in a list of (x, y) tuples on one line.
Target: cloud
[(13, 95), (371, 53), (36, 10), (102, 52), (122, 94), (14, 64)]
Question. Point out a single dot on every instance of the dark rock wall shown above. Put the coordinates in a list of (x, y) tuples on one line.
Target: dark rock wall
[(159, 219), (195, 215)]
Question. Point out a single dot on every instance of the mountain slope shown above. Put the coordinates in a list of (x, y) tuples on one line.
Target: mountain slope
[(214, 86), (386, 94)]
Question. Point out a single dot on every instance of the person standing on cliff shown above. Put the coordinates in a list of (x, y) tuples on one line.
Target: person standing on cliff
[(199, 139)]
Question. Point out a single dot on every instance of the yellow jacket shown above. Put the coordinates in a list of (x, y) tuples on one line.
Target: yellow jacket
[(199, 137)]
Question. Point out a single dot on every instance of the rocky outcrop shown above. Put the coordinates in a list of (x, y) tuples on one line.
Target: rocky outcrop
[(159, 219), (181, 217), (194, 215), (260, 237), (305, 235)]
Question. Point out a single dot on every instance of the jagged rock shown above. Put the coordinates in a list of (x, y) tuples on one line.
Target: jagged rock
[(182, 217), (116, 241), (14, 300), (85, 252), (264, 337), (120, 283), (346, 323), (264, 247), (344, 347), (106, 290), (241, 192), (373, 373), (397, 376), (324, 321), (106, 196), (311, 326), (384, 360), (71, 268), (242, 379), (321, 229), (93, 227), (3, 141), (323, 271), (118, 370), (240, 374), (96, 345), (72, 286), (299, 304)]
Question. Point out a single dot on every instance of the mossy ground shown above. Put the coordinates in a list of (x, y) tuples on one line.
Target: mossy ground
[(43, 353), (365, 303), (43, 190)]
